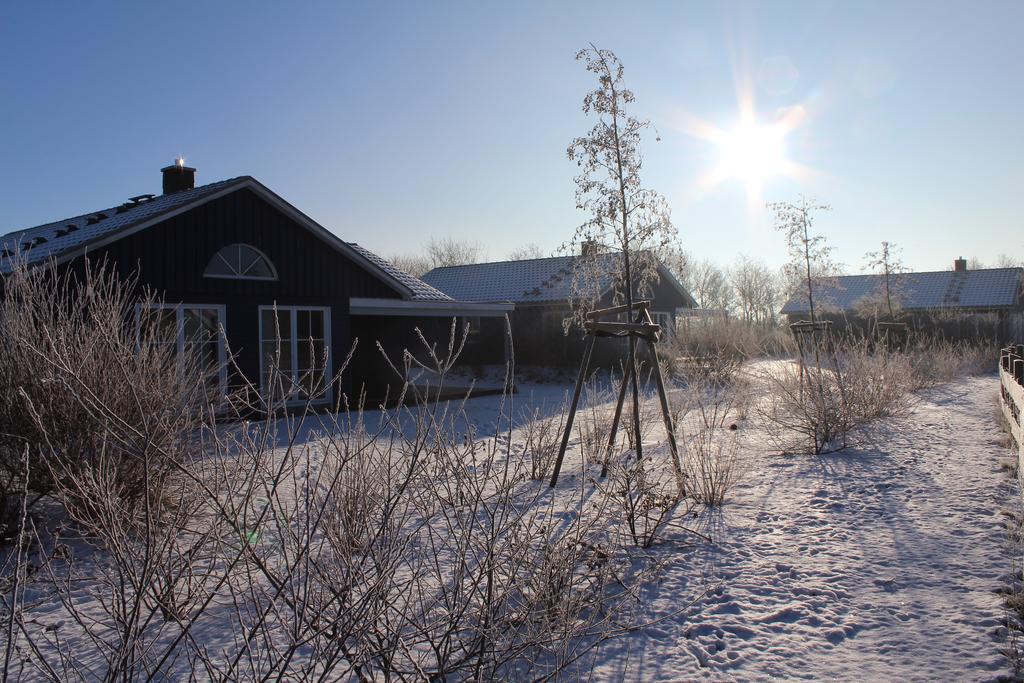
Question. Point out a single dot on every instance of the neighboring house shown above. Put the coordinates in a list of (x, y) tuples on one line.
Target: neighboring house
[(541, 290), (960, 303), (242, 269)]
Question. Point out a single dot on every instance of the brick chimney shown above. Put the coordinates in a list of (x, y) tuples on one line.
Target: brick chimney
[(960, 265), (178, 177)]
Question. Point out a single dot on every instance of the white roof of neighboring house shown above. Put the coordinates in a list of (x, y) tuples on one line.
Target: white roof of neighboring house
[(543, 280), (986, 288)]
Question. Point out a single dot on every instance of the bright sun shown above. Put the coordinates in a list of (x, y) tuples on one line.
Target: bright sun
[(752, 153)]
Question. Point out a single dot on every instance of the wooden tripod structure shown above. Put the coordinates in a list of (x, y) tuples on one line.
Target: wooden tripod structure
[(643, 328)]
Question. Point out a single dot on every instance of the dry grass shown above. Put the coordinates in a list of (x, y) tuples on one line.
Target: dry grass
[(938, 362)]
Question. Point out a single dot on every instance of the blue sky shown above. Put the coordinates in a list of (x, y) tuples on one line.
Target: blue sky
[(390, 123)]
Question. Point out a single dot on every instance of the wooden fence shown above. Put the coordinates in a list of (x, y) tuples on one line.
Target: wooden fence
[(1011, 390)]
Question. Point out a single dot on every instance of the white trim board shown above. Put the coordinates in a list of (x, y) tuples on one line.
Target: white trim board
[(402, 307)]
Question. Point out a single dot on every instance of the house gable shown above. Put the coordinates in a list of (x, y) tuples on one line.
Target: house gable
[(171, 255)]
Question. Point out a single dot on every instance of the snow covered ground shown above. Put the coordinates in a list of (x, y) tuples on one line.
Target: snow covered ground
[(878, 563), (881, 561)]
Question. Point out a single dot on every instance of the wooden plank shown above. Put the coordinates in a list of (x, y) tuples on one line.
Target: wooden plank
[(646, 328), (666, 415), (584, 366), (1016, 394), (602, 312), (618, 416)]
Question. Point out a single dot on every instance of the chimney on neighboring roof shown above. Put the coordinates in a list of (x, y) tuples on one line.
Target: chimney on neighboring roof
[(960, 265), (178, 177)]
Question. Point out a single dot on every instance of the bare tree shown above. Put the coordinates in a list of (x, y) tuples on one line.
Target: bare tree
[(757, 290), (626, 218), (708, 283), (975, 263), (526, 252), (886, 262), (676, 259), (810, 256), (440, 253), (414, 264), (450, 251), (1007, 261)]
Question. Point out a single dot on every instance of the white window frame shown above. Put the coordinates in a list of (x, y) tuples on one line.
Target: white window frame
[(179, 324), (270, 264), (328, 372)]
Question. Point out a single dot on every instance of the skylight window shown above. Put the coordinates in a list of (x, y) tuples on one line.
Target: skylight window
[(241, 261)]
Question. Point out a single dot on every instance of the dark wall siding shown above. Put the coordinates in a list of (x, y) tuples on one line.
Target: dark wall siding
[(372, 373), (171, 257), (539, 341)]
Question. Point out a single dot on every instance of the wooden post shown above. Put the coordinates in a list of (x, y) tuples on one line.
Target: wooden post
[(618, 414), (1018, 370), (666, 414), (584, 366), (510, 386)]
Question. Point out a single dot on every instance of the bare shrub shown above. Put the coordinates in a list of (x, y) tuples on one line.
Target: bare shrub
[(646, 494), (710, 440), (804, 410), (541, 439), (715, 348), (877, 383), (595, 421), (95, 400), (409, 550), (817, 406)]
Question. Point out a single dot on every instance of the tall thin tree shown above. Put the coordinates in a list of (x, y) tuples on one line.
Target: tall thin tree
[(886, 262), (625, 217), (809, 254)]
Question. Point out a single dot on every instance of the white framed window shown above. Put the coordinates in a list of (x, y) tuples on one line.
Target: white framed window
[(189, 330), (297, 341), (240, 262)]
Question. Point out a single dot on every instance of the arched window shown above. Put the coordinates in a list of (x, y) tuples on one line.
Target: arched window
[(241, 261)]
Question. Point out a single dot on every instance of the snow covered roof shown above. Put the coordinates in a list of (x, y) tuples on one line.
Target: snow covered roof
[(56, 239), (530, 281), (69, 237), (970, 289), (543, 280), (421, 291)]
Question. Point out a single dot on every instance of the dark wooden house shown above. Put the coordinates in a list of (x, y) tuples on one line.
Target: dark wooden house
[(242, 271), (542, 291), (957, 304)]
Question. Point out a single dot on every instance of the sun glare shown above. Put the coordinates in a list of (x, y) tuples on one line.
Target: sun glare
[(752, 153)]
